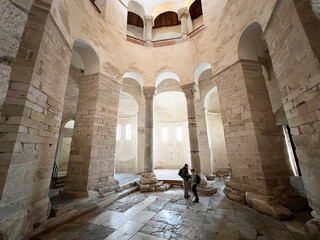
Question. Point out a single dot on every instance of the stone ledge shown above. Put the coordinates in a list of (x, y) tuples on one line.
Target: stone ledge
[(79, 211)]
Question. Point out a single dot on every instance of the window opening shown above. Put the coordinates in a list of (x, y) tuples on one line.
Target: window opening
[(128, 132)]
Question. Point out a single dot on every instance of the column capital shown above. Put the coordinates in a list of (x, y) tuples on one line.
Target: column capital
[(189, 90), (183, 12), (148, 92), (148, 19)]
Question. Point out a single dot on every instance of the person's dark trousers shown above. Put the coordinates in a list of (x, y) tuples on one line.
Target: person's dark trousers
[(194, 190), (186, 186)]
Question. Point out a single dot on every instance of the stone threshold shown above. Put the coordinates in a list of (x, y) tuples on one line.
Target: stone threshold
[(77, 208)]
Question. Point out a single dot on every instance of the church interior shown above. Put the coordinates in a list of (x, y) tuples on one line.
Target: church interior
[(103, 101)]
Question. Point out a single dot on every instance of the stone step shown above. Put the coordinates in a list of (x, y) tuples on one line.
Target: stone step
[(75, 208)]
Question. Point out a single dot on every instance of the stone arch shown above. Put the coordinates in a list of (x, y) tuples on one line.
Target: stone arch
[(199, 70), (166, 75), (136, 8), (135, 76), (250, 42), (164, 7), (85, 57)]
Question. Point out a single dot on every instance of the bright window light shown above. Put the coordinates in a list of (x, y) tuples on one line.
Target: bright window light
[(128, 132), (164, 131)]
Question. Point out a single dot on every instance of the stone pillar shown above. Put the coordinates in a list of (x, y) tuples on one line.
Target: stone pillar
[(29, 123), (92, 155), (148, 24), (259, 171), (148, 177), (204, 149), (189, 91), (316, 7), (183, 15)]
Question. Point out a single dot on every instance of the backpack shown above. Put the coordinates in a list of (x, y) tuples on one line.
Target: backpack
[(180, 172), (198, 179)]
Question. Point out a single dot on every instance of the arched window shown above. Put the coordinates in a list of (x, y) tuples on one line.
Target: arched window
[(128, 132), (179, 134), (166, 19), (164, 132), (118, 132), (69, 124)]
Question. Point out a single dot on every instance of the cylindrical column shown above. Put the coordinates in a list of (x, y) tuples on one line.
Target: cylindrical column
[(189, 91), (183, 15), (148, 23), (148, 151)]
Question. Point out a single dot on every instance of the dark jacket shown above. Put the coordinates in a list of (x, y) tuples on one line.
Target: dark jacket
[(184, 173)]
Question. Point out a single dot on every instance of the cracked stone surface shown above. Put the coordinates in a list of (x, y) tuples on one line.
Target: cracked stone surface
[(167, 215)]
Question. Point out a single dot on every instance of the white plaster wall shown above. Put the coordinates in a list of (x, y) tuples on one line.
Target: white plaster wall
[(166, 33), (126, 150), (198, 22), (172, 154), (217, 141), (135, 31)]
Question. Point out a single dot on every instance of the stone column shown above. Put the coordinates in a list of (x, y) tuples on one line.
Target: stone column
[(148, 177), (29, 123), (92, 155), (259, 172), (316, 7), (183, 15), (148, 24), (189, 91)]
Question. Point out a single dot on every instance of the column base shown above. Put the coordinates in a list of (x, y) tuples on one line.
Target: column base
[(149, 183), (205, 188), (279, 207), (184, 37), (312, 227), (148, 43), (107, 187)]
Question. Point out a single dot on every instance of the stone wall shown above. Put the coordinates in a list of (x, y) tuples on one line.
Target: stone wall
[(30, 121), (92, 156), (13, 17), (310, 23), (297, 71)]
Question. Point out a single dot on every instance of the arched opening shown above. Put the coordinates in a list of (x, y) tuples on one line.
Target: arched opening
[(171, 139), (253, 47), (196, 14), (127, 137), (85, 62), (135, 20), (135, 25), (166, 26), (212, 144), (216, 139), (170, 124)]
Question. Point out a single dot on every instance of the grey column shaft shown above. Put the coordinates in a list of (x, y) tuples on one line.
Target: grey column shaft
[(192, 121), (148, 151)]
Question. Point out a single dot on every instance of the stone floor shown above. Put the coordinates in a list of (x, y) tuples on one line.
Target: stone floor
[(168, 215)]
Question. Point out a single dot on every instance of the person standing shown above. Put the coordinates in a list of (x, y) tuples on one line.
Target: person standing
[(194, 183), (184, 174)]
